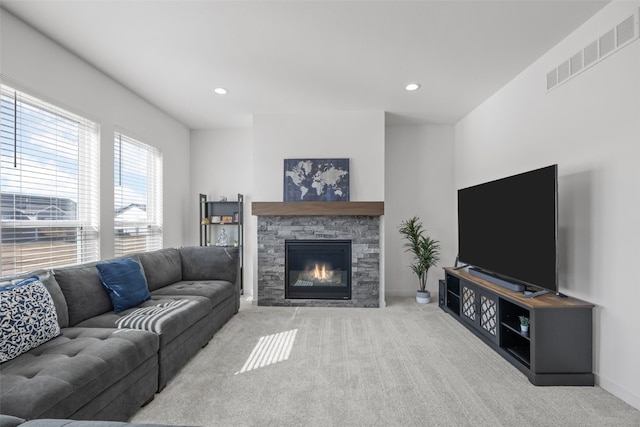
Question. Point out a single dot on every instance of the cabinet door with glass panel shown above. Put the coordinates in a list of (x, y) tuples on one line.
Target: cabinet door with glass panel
[(479, 308)]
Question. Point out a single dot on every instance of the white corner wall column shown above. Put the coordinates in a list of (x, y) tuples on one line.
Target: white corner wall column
[(419, 181)]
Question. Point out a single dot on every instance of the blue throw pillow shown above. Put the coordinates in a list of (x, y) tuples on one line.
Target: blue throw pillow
[(27, 318), (125, 282)]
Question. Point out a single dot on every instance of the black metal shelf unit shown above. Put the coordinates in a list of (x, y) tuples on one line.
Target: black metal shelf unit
[(218, 215)]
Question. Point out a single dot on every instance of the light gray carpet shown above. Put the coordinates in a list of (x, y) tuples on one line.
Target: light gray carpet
[(404, 365)]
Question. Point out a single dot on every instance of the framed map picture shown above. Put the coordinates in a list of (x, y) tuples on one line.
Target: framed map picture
[(316, 180)]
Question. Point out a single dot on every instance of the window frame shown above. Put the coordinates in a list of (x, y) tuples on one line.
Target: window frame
[(44, 138), (152, 227)]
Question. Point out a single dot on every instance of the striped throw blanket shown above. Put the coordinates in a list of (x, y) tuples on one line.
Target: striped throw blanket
[(151, 318)]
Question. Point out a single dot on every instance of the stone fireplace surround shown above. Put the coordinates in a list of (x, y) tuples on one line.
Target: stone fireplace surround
[(355, 221)]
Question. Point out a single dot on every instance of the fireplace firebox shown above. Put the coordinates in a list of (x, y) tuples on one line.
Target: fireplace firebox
[(317, 269)]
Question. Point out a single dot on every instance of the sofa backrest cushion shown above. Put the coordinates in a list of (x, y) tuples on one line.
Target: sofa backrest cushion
[(28, 318), (162, 267), (83, 290), (125, 282), (62, 310), (210, 263), (10, 421)]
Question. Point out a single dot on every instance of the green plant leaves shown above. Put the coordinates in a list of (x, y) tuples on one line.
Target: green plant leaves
[(425, 250)]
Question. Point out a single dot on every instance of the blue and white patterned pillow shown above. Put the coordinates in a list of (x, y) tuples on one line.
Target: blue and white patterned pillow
[(27, 318)]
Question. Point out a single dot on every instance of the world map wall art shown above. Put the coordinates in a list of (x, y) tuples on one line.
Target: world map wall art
[(308, 180)]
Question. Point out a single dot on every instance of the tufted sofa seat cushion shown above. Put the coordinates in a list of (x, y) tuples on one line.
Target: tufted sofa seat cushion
[(172, 327), (216, 291), (182, 333), (67, 372)]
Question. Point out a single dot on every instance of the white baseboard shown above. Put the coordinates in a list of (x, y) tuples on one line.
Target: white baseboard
[(618, 391), (401, 293)]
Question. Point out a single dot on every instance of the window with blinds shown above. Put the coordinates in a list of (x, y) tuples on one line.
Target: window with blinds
[(137, 196), (49, 185)]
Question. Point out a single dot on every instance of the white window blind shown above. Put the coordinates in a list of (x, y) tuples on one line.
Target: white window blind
[(49, 185), (137, 196)]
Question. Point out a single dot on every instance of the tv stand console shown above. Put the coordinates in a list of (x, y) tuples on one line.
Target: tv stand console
[(558, 348)]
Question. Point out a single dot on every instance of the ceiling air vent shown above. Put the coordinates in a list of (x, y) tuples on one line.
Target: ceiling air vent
[(596, 51)]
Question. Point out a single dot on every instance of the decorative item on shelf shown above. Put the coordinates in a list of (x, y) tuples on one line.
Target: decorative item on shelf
[(235, 217), (235, 243), (204, 221), (223, 198), (223, 240), (425, 251), (226, 219), (524, 324), (316, 180), (215, 219)]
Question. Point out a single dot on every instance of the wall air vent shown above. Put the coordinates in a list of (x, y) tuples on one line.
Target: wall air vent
[(563, 71), (552, 78), (576, 63), (619, 36), (607, 43), (624, 31), (590, 54)]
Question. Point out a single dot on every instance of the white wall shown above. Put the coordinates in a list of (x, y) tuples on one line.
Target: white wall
[(358, 136), (418, 171), (46, 70), (419, 181), (250, 161), (590, 127), (220, 166)]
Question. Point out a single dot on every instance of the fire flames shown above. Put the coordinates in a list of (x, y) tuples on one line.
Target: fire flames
[(320, 273)]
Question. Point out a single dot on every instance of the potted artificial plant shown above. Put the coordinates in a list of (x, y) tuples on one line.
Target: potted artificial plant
[(524, 324), (425, 252)]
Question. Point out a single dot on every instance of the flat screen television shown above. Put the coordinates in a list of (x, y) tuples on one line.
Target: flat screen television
[(508, 229)]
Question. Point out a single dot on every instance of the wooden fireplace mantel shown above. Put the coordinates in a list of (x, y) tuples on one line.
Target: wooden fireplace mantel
[(317, 208)]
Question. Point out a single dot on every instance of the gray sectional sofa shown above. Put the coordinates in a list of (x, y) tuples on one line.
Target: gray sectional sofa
[(105, 364), (9, 421)]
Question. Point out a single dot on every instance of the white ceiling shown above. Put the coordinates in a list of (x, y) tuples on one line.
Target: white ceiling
[(296, 56)]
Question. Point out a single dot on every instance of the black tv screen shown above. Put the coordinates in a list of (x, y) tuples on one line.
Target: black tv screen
[(508, 227)]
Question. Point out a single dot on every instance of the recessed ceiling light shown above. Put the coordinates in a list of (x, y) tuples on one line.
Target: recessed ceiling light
[(412, 86), (221, 91)]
